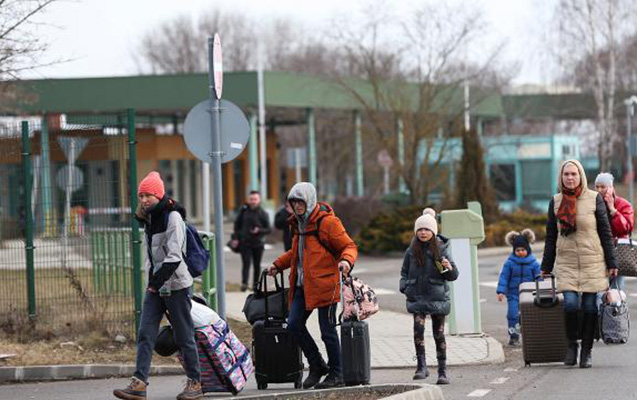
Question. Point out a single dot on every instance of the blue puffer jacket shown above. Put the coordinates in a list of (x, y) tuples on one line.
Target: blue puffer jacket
[(515, 271)]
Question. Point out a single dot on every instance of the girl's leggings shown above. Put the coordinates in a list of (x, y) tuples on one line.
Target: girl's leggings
[(438, 328)]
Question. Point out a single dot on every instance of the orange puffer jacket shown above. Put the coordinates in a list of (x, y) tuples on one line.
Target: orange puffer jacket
[(323, 251)]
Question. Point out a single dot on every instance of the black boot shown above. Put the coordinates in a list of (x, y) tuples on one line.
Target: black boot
[(332, 381), (588, 334), (442, 373), (421, 369), (316, 373), (572, 326)]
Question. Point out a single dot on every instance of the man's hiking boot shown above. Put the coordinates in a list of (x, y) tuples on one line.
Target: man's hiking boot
[(192, 391), (136, 390)]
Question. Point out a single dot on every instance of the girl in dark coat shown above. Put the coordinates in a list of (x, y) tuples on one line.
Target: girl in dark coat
[(423, 280)]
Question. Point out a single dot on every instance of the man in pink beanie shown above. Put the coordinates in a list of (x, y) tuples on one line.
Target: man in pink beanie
[(168, 289)]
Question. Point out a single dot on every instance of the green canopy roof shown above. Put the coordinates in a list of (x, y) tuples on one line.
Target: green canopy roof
[(176, 94)]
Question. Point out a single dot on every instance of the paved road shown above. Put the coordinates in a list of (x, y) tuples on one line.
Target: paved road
[(612, 375)]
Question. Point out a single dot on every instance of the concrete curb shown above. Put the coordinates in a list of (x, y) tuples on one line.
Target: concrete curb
[(411, 392), (496, 352), (89, 371)]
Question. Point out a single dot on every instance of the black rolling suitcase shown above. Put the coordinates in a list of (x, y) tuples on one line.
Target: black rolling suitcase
[(356, 350), (276, 353), (542, 322)]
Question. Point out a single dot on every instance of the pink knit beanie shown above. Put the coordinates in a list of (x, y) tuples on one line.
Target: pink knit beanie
[(152, 184)]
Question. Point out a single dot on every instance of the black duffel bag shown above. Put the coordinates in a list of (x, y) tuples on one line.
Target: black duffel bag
[(165, 344), (262, 305)]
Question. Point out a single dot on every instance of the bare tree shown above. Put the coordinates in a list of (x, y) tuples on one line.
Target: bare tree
[(179, 45), (591, 30), (412, 71), (20, 47)]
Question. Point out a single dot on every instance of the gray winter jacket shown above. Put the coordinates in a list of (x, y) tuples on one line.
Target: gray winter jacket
[(425, 287), (166, 243)]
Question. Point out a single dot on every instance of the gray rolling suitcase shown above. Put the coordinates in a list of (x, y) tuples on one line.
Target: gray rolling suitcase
[(542, 322)]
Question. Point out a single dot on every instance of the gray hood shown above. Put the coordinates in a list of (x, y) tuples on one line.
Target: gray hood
[(304, 191)]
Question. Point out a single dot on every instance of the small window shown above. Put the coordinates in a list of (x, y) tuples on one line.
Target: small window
[(503, 181), (568, 150)]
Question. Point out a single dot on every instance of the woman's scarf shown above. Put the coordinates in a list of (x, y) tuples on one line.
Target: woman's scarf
[(567, 213)]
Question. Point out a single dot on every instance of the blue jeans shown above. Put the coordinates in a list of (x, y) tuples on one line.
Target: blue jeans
[(297, 320), (572, 302), (178, 306)]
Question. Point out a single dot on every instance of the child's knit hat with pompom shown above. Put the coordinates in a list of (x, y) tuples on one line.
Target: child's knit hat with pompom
[(427, 220)]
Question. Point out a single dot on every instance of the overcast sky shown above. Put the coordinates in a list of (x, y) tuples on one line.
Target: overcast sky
[(100, 36)]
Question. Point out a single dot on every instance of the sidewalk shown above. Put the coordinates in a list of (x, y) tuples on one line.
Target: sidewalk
[(392, 340)]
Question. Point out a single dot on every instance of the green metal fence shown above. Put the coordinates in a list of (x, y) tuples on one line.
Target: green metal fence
[(69, 259), (112, 271), (71, 256)]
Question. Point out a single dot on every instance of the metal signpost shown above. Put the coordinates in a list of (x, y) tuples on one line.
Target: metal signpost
[(385, 161), (70, 179), (630, 111), (216, 131)]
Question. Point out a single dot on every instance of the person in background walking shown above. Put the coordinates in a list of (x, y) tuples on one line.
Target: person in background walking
[(321, 248), (521, 266), (250, 229), (168, 289), (281, 222), (579, 250), (426, 269), (620, 211)]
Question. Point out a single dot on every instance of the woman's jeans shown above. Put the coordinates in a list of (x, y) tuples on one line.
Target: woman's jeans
[(297, 320), (574, 301), (178, 305)]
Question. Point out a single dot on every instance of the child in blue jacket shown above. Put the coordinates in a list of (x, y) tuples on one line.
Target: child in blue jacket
[(521, 266)]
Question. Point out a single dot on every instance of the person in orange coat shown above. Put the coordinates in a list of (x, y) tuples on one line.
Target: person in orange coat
[(320, 248)]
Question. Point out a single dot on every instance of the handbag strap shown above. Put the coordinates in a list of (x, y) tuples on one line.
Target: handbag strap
[(263, 286), (615, 282)]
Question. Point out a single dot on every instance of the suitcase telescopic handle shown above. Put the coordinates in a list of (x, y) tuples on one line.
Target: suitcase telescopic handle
[(546, 302)]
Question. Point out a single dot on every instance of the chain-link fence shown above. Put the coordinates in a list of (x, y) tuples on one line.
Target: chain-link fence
[(67, 249)]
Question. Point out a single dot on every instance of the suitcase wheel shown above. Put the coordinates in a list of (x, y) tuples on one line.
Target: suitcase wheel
[(298, 383), (262, 385)]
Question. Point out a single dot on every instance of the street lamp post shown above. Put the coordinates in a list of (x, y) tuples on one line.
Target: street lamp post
[(630, 111)]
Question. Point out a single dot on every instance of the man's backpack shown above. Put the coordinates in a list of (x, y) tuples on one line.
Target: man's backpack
[(196, 256)]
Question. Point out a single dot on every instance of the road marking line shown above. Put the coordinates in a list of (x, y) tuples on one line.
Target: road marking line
[(492, 284), (499, 381), (510, 370), (479, 393), (384, 291)]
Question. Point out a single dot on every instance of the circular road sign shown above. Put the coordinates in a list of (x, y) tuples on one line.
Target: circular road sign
[(77, 178), (235, 131)]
